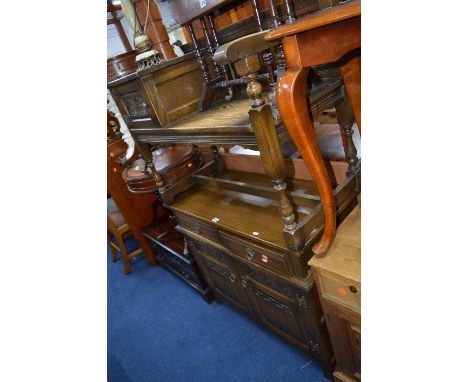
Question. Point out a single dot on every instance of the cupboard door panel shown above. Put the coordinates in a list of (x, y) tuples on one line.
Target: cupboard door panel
[(276, 311), (223, 280)]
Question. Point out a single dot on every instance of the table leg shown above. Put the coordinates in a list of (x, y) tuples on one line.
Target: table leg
[(292, 104), (351, 72)]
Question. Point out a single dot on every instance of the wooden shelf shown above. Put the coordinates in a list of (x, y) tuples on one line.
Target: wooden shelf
[(245, 204)]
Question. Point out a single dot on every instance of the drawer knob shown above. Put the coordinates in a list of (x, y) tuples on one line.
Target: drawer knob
[(353, 289), (197, 229), (232, 277), (250, 253), (244, 283)]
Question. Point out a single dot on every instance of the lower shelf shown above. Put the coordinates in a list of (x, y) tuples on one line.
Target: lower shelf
[(172, 255)]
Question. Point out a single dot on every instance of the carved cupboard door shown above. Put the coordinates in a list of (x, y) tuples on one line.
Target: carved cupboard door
[(220, 275), (276, 311)]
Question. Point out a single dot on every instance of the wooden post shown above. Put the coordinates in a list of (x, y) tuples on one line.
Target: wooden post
[(155, 29), (267, 141)]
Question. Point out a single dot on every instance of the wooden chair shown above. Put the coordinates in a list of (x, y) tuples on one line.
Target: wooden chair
[(119, 232)]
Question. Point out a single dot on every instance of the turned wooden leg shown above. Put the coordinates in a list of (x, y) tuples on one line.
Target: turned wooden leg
[(292, 104), (345, 116)]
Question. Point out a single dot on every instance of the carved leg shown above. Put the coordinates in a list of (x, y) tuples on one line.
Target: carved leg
[(345, 116), (270, 152), (291, 91)]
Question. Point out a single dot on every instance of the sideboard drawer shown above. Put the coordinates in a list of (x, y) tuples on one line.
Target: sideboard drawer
[(274, 261), (206, 249), (199, 228), (341, 291)]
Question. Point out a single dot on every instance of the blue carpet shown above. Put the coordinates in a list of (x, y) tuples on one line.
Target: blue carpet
[(160, 329)]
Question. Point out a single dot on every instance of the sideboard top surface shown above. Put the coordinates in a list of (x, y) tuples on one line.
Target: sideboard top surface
[(344, 256), (250, 216)]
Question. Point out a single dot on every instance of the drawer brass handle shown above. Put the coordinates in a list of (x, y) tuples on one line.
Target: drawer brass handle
[(197, 229), (232, 277), (244, 283), (353, 289), (250, 253)]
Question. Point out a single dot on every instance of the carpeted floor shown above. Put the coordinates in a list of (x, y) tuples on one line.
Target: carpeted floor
[(160, 329)]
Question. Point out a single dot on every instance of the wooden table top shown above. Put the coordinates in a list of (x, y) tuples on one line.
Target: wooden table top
[(319, 19), (344, 256)]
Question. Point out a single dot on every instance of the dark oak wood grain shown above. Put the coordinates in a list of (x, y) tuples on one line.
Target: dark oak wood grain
[(248, 263), (121, 65)]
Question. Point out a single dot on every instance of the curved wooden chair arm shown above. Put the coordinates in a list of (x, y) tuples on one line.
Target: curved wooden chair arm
[(243, 47), (320, 19)]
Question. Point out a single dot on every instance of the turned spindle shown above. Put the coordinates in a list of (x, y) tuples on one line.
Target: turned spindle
[(221, 70), (268, 144), (345, 117), (208, 84), (198, 54), (211, 48), (266, 54), (214, 33), (275, 20), (290, 17)]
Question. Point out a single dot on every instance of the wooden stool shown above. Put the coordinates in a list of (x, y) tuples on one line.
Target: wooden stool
[(120, 230)]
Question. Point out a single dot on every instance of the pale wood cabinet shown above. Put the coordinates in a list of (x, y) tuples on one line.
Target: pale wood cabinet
[(338, 277)]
